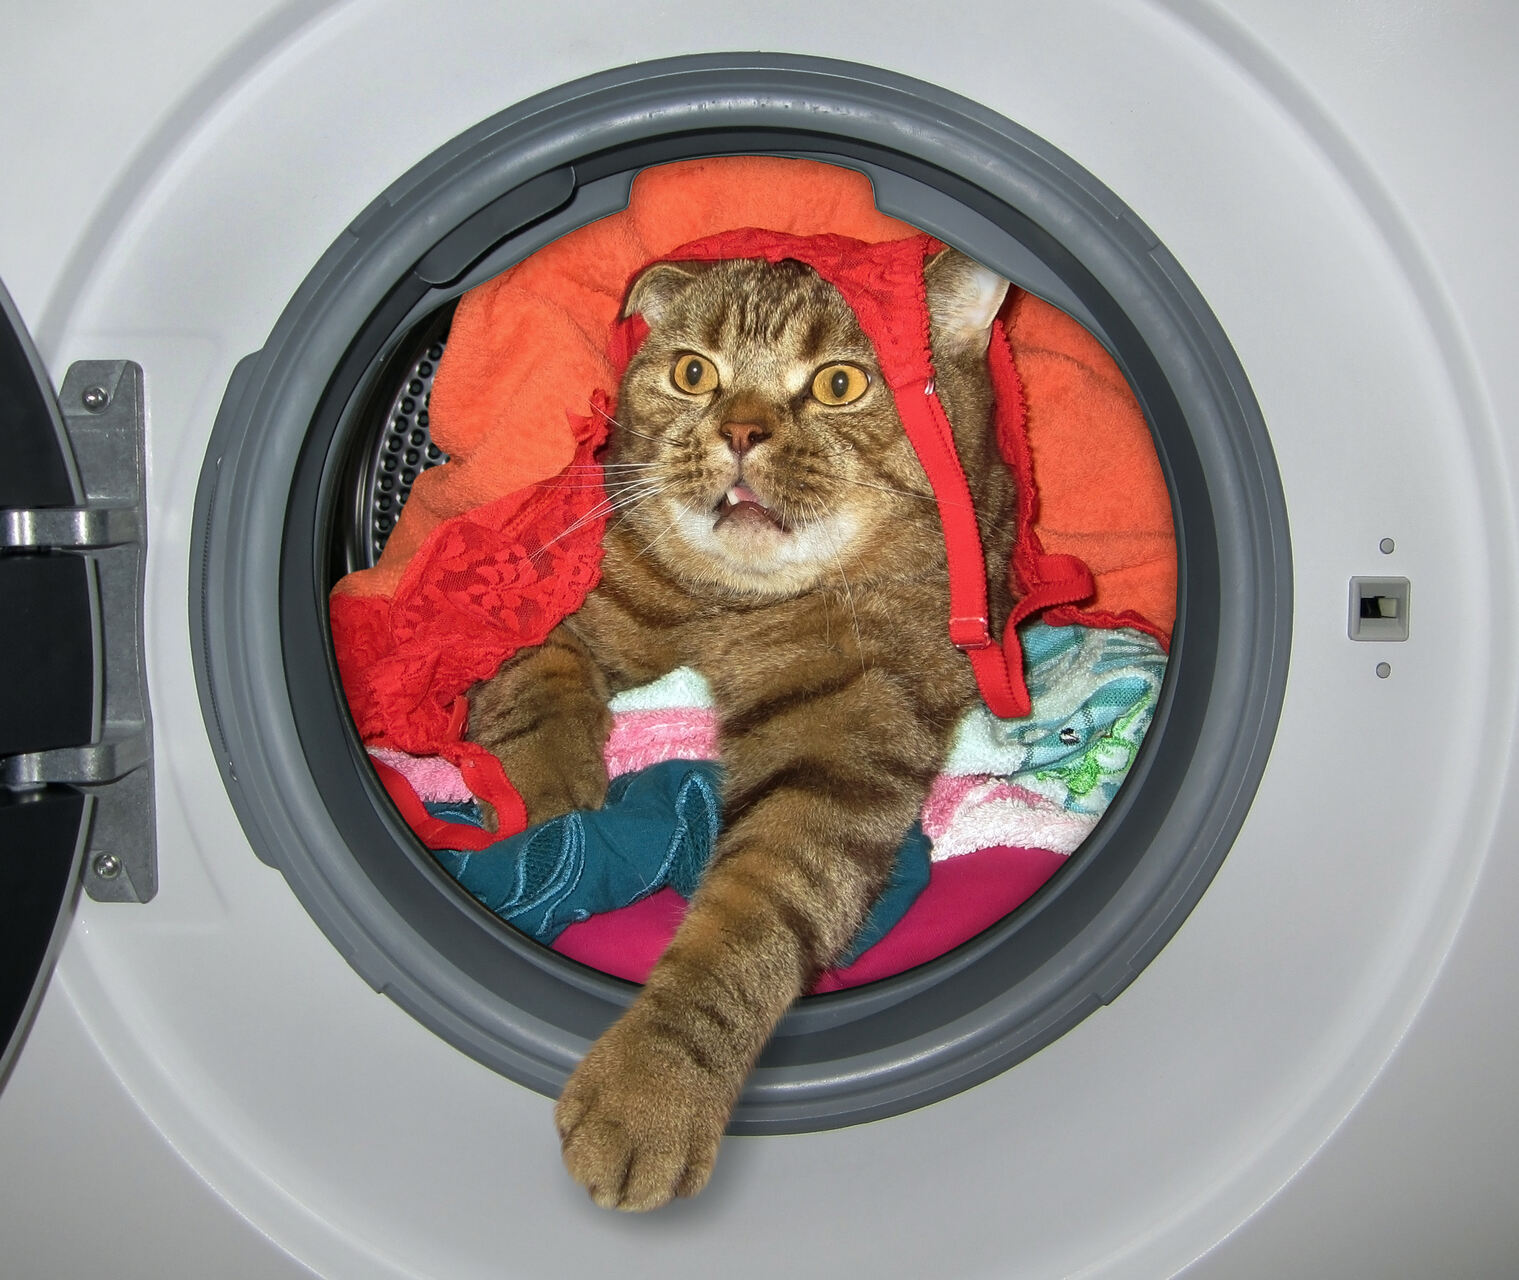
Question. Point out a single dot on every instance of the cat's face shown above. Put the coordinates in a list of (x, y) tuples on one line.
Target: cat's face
[(760, 445)]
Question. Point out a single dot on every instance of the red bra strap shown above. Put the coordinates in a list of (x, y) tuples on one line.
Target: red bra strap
[(1049, 580), (998, 669)]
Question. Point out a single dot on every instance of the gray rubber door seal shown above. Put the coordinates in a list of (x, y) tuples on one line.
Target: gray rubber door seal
[(271, 503)]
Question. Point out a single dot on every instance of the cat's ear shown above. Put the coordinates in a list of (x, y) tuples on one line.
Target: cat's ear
[(963, 300), (654, 290)]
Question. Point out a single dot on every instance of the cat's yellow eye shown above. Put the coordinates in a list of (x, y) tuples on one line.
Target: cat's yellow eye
[(693, 374), (837, 384)]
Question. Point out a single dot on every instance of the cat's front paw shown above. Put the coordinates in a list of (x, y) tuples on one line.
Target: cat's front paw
[(639, 1121), (561, 788)]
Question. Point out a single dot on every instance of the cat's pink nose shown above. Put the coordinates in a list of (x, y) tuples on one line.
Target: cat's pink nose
[(743, 436)]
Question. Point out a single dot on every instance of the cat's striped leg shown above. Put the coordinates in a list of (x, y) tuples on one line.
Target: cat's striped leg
[(544, 716), (809, 843)]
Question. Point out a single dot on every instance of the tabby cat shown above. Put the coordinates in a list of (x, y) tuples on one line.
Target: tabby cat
[(779, 536)]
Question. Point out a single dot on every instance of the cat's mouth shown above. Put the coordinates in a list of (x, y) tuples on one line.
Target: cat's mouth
[(741, 505)]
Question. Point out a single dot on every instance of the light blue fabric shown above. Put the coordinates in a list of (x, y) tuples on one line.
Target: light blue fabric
[(683, 687), (1093, 693)]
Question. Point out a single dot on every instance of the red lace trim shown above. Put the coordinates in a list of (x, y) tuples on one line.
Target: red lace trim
[(483, 585)]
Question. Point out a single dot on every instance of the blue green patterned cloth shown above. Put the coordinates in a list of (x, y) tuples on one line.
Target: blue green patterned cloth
[(656, 829), (1093, 693)]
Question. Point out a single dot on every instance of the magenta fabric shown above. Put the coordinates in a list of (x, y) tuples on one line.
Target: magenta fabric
[(965, 895)]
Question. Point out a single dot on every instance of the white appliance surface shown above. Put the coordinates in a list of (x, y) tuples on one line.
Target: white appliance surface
[(1313, 1078)]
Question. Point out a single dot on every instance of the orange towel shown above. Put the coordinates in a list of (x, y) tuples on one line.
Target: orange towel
[(528, 348)]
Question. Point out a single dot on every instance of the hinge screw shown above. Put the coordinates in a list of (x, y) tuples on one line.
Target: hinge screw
[(95, 398), (107, 866)]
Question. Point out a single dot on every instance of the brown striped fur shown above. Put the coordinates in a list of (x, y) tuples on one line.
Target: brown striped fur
[(822, 634)]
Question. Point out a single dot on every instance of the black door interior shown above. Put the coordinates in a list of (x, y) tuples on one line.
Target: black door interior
[(46, 684)]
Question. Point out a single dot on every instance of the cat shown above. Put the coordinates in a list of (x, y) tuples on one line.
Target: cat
[(778, 535)]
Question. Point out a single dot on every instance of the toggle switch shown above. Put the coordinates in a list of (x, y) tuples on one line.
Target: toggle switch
[(1379, 608)]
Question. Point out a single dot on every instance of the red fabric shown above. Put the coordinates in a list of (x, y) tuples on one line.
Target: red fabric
[(965, 895), (435, 833), (482, 586), (531, 343)]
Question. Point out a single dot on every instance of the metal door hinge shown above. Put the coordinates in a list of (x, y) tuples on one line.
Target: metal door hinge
[(102, 405)]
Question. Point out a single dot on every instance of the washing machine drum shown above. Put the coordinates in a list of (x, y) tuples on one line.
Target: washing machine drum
[(323, 431)]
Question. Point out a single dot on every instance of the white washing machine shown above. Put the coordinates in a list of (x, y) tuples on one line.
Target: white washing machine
[(1288, 1046)]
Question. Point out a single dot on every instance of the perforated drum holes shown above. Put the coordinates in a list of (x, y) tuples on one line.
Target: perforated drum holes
[(403, 451)]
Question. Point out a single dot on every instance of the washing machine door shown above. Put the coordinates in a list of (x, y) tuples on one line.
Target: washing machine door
[(75, 767)]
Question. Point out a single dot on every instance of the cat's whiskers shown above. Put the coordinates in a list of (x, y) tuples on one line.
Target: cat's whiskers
[(585, 479), (649, 546), (580, 470), (622, 427), (612, 466), (906, 493), (822, 524), (600, 510), (625, 499), (635, 492), (598, 484), (634, 503), (593, 475)]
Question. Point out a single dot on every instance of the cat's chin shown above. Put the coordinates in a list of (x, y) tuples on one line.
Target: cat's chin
[(747, 549)]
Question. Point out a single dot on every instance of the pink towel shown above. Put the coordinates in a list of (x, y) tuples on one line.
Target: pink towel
[(431, 777), (641, 738)]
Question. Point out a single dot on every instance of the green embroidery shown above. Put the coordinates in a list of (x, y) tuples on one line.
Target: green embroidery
[(1109, 757), (1081, 777)]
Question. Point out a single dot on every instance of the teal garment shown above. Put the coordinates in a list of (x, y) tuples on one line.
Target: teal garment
[(657, 828)]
